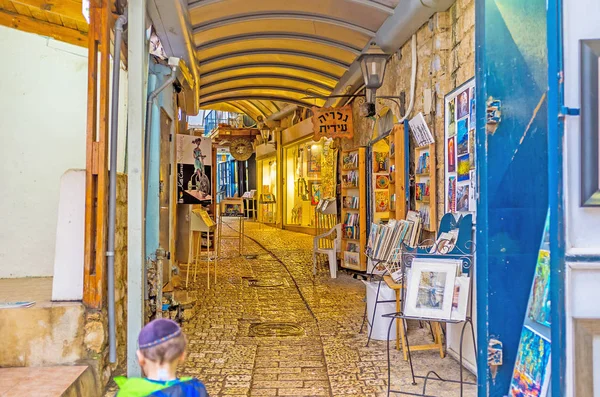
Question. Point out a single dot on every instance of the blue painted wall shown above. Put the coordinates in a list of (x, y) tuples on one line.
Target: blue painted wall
[(511, 63)]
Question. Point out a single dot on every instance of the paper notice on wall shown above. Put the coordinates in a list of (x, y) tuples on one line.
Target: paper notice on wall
[(420, 131)]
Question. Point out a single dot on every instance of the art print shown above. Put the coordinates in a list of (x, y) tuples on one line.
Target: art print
[(382, 181), (451, 116), (539, 308), (472, 201), (451, 194), (431, 288), (460, 298), (451, 155), (462, 104), (464, 166), (462, 137), (472, 113), (382, 201), (315, 193), (314, 160), (532, 367), (381, 162), (472, 147), (194, 174), (462, 198)]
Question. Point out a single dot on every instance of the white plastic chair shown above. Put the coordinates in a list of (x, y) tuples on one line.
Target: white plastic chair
[(324, 244)]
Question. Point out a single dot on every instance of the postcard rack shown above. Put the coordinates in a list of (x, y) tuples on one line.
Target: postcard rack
[(464, 251)]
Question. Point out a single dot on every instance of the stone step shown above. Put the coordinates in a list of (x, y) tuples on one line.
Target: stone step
[(48, 333), (57, 381)]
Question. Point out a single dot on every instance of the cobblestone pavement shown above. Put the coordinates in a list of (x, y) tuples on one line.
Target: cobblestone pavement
[(329, 358)]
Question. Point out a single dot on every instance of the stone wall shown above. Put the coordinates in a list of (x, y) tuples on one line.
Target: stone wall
[(445, 60), (96, 327)]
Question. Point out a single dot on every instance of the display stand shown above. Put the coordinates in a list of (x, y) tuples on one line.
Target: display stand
[(354, 209), (231, 208), (267, 202), (202, 225), (464, 251), (398, 162)]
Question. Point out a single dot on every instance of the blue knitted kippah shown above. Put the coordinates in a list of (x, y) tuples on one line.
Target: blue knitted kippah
[(158, 331)]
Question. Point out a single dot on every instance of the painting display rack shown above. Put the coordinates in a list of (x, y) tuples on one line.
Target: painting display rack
[(464, 251)]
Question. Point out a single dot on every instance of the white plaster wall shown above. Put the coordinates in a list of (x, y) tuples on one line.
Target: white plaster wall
[(42, 134), (582, 224)]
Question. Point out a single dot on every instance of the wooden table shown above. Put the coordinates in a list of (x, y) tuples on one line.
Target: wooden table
[(400, 335)]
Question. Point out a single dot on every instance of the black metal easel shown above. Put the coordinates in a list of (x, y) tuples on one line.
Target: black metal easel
[(467, 258)]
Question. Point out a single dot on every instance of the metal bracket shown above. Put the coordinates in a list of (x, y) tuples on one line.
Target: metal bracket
[(567, 111)]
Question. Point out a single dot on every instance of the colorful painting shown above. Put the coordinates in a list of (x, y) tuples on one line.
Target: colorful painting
[(315, 193), (314, 159), (382, 201), (451, 118), (462, 198), (329, 166), (539, 309), (381, 162), (462, 138), (451, 155), (464, 166), (431, 290), (532, 367), (382, 181), (451, 194), (472, 148), (462, 104)]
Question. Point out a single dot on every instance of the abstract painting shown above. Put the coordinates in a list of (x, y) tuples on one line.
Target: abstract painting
[(532, 369), (464, 166)]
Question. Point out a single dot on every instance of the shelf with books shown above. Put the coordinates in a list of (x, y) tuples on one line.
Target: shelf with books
[(354, 215), (425, 183)]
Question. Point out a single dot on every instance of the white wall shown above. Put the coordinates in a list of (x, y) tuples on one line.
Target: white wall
[(43, 97), (42, 134), (583, 224)]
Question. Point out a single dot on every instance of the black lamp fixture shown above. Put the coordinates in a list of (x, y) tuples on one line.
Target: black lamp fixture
[(373, 62)]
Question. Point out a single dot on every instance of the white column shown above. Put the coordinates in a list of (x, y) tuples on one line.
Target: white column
[(137, 56)]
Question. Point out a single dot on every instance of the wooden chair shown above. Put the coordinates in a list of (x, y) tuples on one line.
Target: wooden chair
[(329, 245)]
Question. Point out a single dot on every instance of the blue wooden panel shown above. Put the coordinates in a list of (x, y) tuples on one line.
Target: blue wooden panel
[(513, 170)]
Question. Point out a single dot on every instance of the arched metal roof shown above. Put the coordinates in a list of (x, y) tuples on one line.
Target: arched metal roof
[(258, 55)]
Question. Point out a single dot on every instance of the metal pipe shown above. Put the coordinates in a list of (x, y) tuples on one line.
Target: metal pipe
[(286, 111), (149, 106), (112, 185)]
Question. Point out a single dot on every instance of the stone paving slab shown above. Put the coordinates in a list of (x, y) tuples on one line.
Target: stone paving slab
[(329, 359)]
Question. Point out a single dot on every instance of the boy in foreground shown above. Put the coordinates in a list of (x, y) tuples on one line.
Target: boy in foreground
[(162, 347)]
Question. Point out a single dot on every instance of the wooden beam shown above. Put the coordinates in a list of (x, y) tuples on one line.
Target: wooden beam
[(96, 191), (31, 25), (66, 8)]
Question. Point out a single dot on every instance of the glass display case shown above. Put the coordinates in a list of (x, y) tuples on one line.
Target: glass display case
[(310, 174), (267, 189)]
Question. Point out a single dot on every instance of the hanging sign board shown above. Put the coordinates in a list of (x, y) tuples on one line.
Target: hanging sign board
[(333, 122)]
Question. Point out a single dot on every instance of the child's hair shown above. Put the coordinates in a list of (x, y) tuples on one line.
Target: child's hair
[(166, 352), (162, 341)]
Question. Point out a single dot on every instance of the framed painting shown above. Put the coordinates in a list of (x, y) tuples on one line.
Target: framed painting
[(430, 289), (590, 122)]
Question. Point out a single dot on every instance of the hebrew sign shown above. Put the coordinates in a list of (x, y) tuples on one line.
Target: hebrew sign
[(333, 122)]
